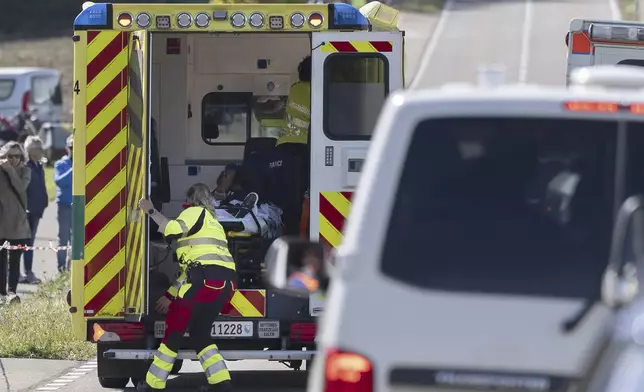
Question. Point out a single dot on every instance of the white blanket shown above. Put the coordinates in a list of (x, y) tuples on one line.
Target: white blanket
[(268, 215)]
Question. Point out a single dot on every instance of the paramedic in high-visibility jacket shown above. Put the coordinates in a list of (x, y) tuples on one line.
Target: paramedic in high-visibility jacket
[(202, 291), (289, 164), (298, 108)]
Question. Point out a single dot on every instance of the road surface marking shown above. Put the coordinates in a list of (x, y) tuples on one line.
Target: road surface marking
[(524, 59), (70, 377), (433, 42)]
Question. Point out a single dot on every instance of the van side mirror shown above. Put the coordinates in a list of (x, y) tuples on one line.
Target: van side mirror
[(620, 282), (296, 266)]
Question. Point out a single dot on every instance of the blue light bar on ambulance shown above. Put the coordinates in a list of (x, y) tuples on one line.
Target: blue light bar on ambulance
[(94, 16), (600, 31), (346, 17)]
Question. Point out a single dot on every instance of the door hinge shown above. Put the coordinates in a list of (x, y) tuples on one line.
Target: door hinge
[(189, 111)]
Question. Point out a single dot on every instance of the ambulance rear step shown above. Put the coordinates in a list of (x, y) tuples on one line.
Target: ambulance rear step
[(230, 355)]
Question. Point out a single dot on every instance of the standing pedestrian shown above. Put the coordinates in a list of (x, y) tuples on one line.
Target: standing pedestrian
[(37, 200), (14, 225), (63, 179)]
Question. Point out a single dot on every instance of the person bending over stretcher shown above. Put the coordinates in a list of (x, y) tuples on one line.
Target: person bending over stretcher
[(202, 291)]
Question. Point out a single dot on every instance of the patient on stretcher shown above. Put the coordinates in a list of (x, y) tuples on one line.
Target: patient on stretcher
[(236, 201)]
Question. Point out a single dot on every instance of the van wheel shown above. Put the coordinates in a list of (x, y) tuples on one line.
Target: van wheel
[(113, 382), (176, 368)]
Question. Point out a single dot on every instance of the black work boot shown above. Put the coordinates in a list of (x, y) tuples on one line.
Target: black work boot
[(143, 386)]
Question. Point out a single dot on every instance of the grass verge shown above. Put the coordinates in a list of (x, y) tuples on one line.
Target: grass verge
[(41, 327), (627, 7)]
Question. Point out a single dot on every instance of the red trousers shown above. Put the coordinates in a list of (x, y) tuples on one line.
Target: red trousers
[(195, 311)]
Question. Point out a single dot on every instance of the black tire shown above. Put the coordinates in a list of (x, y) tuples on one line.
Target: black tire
[(176, 368), (113, 382), (309, 364)]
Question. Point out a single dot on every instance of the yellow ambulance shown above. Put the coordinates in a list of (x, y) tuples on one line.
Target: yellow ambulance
[(168, 95)]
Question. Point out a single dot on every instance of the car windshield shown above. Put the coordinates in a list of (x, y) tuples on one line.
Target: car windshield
[(505, 205)]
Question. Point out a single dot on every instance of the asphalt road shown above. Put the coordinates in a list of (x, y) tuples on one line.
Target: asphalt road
[(527, 36)]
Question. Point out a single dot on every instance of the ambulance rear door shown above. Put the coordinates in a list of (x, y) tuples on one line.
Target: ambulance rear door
[(137, 169), (353, 73)]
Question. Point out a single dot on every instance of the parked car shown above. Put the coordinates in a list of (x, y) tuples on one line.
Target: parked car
[(35, 92)]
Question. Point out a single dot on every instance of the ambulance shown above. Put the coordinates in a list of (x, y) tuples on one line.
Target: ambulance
[(604, 42), (213, 79), (507, 219)]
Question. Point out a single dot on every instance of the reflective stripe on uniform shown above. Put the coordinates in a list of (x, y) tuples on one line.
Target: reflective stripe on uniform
[(298, 122), (213, 365), (202, 241), (216, 259), (161, 367), (183, 226)]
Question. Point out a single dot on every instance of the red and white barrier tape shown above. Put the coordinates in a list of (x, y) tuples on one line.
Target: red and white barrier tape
[(51, 247)]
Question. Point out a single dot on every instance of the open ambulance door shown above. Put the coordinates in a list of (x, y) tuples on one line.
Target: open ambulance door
[(110, 174), (352, 74), (137, 169)]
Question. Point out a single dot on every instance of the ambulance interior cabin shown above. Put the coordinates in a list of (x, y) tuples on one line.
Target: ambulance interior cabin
[(216, 99)]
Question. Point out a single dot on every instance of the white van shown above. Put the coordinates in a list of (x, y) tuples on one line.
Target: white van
[(480, 251), (31, 89)]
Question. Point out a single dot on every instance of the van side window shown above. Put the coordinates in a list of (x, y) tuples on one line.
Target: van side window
[(46, 89), (226, 118), (519, 206), (355, 88), (6, 88)]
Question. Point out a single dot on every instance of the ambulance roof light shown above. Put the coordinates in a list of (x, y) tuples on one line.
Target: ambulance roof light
[(94, 15), (609, 76), (616, 32), (345, 16)]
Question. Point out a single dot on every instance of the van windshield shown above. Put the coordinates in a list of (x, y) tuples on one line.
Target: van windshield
[(505, 205)]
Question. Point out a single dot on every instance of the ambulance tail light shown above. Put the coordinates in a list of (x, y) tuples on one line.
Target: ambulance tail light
[(346, 17), (598, 31), (346, 371), (118, 332), (302, 332)]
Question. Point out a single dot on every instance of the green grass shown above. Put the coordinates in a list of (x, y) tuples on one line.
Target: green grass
[(41, 326), (628, 9), (49, 182)]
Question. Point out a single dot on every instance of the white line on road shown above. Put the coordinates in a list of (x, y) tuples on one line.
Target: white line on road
[(524, 60), (433, 42), (70, 377), (616, 13)]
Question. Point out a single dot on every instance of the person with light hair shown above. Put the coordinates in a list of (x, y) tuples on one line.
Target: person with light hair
[(37, 201), (14, 225), (203, 290)]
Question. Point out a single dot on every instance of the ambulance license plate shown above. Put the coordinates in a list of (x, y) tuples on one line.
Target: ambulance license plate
[(232, 329)]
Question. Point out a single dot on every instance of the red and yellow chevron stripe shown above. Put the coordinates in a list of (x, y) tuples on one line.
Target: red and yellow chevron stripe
[(136, 177), (357, 46), (334, 210), (248, 303), (105, 173)]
